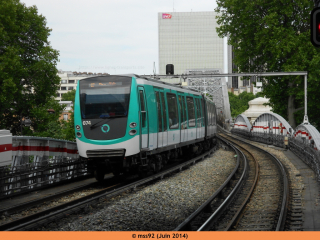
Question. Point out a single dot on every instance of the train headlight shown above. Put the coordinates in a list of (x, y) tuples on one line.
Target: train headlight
[(133, 125), (132, 132), (79, 135), (78, 127)]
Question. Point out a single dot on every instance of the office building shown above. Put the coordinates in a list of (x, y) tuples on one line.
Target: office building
[(189, 40)]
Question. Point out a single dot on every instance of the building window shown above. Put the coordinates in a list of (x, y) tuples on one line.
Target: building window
[(63, 81), (70, 88), (71, 81), (65, 117), (63, 88), (58, 94)]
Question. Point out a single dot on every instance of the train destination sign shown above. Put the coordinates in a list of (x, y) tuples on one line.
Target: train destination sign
[(105, 84)]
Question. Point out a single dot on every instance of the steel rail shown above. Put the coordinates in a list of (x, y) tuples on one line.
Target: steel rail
[(285, 196), (73, 206), (241, 208), (214, 217), (186, 224), (18, 207)]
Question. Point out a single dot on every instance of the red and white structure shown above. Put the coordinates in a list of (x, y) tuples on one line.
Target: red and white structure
[(5, 147), (41, 149), (308, 134), (242, 123), (272, 123), (18, 150)]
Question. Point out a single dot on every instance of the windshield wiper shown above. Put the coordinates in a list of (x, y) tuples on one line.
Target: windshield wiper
[(104, 118)]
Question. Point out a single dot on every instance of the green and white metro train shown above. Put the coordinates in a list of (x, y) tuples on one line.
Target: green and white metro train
[(131, 124)]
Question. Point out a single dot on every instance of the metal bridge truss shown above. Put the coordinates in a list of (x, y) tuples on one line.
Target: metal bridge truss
[(212, 83)]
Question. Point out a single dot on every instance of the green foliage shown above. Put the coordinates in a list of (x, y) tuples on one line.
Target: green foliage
[(28, 73), (68, 126), (239, 104), (69, 96), (274, 36), (47, 124)]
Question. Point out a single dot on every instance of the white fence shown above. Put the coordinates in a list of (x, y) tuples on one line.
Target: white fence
[(33, 162)]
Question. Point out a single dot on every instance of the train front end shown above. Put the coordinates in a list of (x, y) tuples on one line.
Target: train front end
[(106, 122)]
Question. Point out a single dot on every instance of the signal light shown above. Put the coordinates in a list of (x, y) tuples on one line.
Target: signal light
[(169, 69), (315, 27)]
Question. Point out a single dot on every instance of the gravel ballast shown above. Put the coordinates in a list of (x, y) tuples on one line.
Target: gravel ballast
[(160, 206)]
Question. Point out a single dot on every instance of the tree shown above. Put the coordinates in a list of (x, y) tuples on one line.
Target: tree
[(69, 96), (45, 123), (28, 73), (68, 126), (274, 36)]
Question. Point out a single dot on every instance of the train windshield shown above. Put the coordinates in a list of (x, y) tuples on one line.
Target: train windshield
[(106, 97)]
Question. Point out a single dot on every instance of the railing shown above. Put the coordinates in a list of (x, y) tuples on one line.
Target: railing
[(302, 148), (37, 162), (307, 153)]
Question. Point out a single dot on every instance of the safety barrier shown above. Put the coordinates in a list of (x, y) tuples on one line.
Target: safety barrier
[(36, 162), (272, 129)]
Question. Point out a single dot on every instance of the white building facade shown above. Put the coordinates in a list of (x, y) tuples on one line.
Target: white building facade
[(70, 79), (189, 40)]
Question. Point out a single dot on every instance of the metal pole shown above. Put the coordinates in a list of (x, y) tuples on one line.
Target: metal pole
[(305, 120), (305, 95)]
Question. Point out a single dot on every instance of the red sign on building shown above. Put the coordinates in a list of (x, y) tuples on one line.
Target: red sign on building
[(166, 16)]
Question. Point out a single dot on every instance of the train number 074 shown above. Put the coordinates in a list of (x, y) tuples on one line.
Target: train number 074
[(86, 122)]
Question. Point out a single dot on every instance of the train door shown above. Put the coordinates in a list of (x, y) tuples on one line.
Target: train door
[(159, 118), (202, 117), (162, 118), (144, 130), (196, 105), (191, 131), (165, 121), (183, 118)]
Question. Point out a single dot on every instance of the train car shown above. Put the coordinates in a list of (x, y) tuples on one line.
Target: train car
[(131, 124)]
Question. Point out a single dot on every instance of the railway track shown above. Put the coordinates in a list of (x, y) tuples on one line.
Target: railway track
[(229, 208), (53, 214)]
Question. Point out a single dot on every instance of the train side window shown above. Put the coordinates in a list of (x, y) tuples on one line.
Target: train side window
[(143, 109), (191, 113), (182, 111), (211, 111), (159, 112), (210, 114), (198, 113), (173, 111), (202, 112), (214, 115), (164, 112), (185, 123)]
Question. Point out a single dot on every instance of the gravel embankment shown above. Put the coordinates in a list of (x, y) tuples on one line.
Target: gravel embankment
[(161, 206)]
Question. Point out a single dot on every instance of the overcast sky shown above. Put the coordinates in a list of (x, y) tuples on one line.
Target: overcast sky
[(112, 36)]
